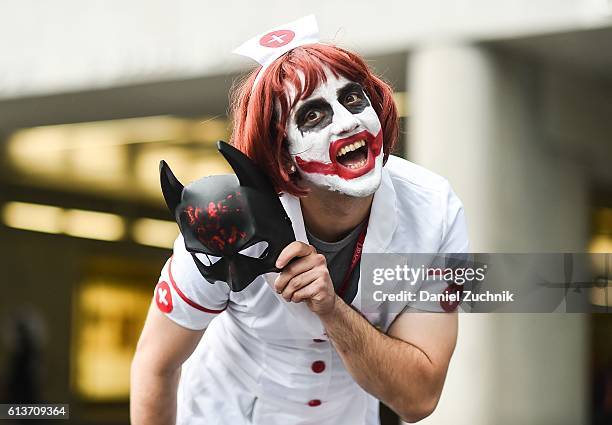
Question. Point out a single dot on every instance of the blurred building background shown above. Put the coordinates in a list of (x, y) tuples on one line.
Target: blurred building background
[(511, 101)]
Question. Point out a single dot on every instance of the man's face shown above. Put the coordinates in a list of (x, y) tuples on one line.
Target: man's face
[(335, 138)]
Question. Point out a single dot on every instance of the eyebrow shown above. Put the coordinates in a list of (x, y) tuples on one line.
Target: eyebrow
[(348, 88)]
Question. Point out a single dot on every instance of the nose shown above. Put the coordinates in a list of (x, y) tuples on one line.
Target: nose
[(344, 122)]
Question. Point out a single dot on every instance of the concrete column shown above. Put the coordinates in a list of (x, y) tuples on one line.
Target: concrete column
[(451, 126), (475, 120)]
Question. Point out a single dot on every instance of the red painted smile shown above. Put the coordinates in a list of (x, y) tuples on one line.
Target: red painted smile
[(351, 157)]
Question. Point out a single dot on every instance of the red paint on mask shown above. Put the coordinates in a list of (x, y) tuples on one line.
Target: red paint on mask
[(209, 226), (373, 143)]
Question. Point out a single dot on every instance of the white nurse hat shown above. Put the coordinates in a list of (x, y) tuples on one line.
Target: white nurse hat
[(266, 47)]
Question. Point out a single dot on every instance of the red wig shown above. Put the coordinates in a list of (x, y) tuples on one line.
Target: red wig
[(259, 127)]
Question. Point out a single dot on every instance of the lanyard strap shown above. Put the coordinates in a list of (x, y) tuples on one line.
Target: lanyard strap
[(354, 260)]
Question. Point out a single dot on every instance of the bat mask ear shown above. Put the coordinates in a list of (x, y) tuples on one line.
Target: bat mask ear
[(171, 187), (249, 175)]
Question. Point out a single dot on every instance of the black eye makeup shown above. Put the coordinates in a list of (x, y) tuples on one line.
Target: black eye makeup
[(352, 98), (314, 115)]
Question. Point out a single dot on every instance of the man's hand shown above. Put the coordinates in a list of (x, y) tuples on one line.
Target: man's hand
[(306, 278)]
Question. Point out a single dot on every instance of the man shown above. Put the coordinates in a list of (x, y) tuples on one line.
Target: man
[(293, 348)]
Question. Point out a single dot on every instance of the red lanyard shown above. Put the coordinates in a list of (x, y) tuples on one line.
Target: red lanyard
[(355, 259)]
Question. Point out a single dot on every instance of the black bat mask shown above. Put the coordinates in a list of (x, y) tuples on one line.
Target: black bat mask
[(222, 215)]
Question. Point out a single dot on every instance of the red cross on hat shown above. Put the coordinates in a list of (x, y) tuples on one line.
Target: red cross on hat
[(265, 48), (277, 38)]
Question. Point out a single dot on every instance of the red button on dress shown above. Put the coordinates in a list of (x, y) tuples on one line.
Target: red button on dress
[(314, 403), (318, 366)]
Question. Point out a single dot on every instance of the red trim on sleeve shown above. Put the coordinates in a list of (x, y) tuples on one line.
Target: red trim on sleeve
[(184, 297)]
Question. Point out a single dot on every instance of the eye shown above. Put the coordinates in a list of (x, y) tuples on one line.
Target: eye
[(314, 113), (313, 116), (352, 98)]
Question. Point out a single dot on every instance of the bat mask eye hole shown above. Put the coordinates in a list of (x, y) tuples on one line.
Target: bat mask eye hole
[(258, 250), (207, 260)]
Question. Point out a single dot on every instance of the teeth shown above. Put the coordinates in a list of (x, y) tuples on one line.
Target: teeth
[(351, 147), (358, 165)]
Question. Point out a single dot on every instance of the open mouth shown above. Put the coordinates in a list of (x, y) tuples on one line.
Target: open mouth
[(354, 155), (351, 157)]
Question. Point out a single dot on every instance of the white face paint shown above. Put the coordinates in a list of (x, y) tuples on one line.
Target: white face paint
[(335, 138)]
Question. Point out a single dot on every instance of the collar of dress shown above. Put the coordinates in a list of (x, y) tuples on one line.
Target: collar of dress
[(381, 225)]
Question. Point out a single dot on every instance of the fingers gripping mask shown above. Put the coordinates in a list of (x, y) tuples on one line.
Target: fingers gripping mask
[(335, 138), (231, 217)]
